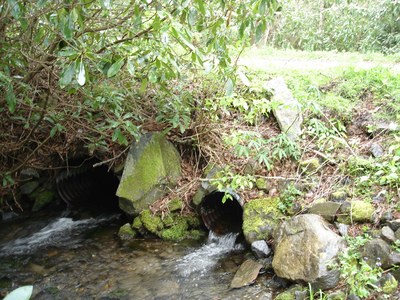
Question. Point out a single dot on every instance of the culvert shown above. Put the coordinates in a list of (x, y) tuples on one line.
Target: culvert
[(219, 217), (86, 186)]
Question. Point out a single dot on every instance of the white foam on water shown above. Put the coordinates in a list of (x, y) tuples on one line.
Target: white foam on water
[(61, 231), (205, 258)]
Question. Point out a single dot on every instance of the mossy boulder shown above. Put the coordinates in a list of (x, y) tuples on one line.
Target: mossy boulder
[(338, 196), (262, 184), (304, 247), (172, 227), (176, 232), (356, 212), (389, 283), (152, 223), (126, 232), (151, 166), (260, 218), (42, 198)]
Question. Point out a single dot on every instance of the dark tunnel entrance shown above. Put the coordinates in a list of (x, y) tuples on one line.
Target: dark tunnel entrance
[(88, 187), (222, 218)]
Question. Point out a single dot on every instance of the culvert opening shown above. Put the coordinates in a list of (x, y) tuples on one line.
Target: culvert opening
[(219, 217), (86, 187)]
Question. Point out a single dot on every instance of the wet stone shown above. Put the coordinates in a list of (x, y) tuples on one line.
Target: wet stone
[(260, 249), (387, 234), (246, 274)]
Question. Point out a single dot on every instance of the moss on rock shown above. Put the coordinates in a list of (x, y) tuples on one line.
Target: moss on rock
[(126, 232), (152, 164), (260, 218), (152, 223), (42, 198), (356, 212), (137, 223), (175, 204), (310, 165), (176, 232), (390, 284)]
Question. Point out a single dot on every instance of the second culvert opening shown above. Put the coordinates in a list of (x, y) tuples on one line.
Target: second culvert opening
[(219, 217)]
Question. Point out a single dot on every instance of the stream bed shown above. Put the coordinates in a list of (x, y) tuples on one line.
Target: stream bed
[(66, 257)]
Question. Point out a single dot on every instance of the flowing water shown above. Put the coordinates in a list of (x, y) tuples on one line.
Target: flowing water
[(66, 257)]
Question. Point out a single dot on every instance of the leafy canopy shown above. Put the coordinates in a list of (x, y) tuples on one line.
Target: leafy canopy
[(155, 41)]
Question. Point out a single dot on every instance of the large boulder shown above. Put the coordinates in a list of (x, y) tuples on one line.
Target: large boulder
[(305, 246), (260, 218), (152, 165), (288, 112)]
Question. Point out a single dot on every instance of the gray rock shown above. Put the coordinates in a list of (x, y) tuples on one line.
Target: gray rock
[(376, 150), (352, 297), (380, 197), (29, 173), (394, 225), (387, 216), (387, 234), (397, 234), (260, 249), (288, 113), (28, 187), (246, 274), (342, 228), (152, 165), (394, 259), (327, 210), (376, 252), (304, 247)]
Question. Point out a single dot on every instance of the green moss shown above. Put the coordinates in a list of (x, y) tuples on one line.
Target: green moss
[(362, 211), (176, 232), (196, 234), (137, 223), (262, 184), (175, 204), (390, 285), (42, 198), (260, 218), (126, 232), (151, 163), (152, 223), (193, 221), (338, 196), (356, 211), (286, 296), (169, 220)]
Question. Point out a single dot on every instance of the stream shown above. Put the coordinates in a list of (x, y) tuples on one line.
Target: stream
[(71, 257)]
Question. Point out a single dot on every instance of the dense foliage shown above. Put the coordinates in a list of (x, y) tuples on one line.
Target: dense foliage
[(94, 73), (354, 25)]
